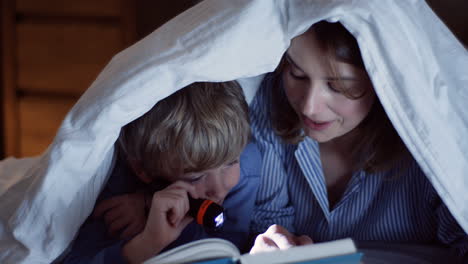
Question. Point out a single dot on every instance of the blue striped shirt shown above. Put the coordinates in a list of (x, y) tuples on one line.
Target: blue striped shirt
[(388, 206)]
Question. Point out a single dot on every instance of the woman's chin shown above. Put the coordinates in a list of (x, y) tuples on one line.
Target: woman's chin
[(319, 137)]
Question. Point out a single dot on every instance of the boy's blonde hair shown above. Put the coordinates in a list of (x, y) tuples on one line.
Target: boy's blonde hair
[(201, 126)]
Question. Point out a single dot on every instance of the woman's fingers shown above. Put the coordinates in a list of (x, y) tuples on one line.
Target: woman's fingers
[(303, 240), (282, 237), (263, 243), (277, 237)]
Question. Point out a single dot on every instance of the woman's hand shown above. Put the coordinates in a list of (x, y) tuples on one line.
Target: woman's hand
[(124, 213), (166, 220), (277, 237)]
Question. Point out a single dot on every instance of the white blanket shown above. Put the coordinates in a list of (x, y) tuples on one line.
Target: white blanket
[(417, 66)]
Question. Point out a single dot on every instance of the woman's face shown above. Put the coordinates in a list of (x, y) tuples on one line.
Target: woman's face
[(314, 92)]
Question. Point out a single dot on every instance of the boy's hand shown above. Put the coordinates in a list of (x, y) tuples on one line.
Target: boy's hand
[(277, 237), (168, 214), (166, 220), (125, 213)]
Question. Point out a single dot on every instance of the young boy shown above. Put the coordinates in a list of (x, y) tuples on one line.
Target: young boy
[(193, 143)]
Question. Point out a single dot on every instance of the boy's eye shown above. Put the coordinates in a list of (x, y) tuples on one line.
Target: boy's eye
[(233, 162), (196, 179)]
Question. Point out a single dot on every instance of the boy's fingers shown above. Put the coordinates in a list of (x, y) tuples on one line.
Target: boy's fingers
[(174, 198), (178, 209), (171, 204), (114, 214), (105, 205), (176, 214), (190, 189), (117, 225), (185, 221), (130, 231), (192, 193), (187, 187)]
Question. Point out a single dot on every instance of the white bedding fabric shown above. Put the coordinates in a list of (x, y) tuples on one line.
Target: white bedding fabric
[(417, 66)]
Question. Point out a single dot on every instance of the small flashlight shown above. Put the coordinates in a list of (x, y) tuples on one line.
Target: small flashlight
[(206, 213)]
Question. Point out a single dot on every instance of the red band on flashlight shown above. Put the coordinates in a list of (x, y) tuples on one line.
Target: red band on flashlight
[(201, 212)]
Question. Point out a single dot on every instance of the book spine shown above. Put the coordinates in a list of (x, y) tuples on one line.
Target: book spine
[(219, 261)]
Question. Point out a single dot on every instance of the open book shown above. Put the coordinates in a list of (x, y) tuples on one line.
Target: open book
[(220, 251)]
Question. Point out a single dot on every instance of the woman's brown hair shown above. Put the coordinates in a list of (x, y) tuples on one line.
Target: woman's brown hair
[(376, 144), (200, 127)]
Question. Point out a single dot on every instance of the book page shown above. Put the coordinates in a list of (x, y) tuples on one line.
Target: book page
[(203, 249), (302, 253)]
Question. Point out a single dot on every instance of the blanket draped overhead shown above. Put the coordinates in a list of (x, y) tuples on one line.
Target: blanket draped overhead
[(418, 68)]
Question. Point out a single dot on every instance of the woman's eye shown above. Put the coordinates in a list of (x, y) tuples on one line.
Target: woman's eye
[(332, 87), (297, 76)]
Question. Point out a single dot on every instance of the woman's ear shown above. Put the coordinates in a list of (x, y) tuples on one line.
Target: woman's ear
[(138, 169)]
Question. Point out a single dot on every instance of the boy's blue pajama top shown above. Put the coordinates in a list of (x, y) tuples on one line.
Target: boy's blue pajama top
[(94, 246)]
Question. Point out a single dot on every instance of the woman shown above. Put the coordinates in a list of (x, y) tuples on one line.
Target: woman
[(333, 165)]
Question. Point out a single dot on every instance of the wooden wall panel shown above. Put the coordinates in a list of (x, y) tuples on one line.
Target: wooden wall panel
[(152, 14), (64, 58), (71, 7), (39, 119), (52, 50), (9, 104), (455, 15)]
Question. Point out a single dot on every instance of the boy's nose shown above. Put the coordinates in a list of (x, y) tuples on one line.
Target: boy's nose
[(215, 190)]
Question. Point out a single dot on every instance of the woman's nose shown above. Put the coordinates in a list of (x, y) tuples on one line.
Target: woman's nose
[(313, 100)]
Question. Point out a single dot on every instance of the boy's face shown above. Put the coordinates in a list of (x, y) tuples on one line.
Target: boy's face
[(213, 184)]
